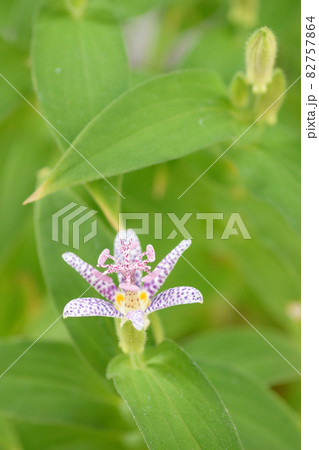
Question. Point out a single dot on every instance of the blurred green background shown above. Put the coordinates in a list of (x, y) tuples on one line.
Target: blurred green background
[(259, 178)]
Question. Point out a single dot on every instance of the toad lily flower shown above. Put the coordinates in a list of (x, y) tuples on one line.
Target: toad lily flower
[(135, 298)]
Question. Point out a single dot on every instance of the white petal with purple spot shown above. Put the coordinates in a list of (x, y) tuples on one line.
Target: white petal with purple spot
[(86, 307), (175, 296), (137, 319), (92, 276), (165, 267)]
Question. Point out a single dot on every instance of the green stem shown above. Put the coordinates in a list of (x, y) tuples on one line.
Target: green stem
[(135, 360), (157, 328)]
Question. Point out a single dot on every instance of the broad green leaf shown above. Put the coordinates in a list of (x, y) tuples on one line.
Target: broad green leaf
[(94, 336), (246, 350), (90, 46), (262, 419), (172, 402), (79, 64), (53, 388), (164, 118)]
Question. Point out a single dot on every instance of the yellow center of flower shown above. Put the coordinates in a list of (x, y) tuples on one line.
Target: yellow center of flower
[(131, 301), (144, 301)]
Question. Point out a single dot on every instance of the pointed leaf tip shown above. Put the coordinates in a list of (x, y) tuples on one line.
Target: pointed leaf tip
[(37, 194)]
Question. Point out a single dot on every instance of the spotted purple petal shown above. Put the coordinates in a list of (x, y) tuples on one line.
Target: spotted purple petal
[(165, 267), (175, 296), (86, 307), (92, 276), (137, 318), (135, 250)]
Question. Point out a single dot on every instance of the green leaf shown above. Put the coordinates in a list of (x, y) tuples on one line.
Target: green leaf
[(164, 118), (172, 402), (94, 336), (52, 388), (79, 64), (245, 349), (262, 419)]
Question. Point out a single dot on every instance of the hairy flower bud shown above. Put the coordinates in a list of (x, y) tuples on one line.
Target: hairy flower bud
[(260, 58), (131, 340), (238, 91), (272, 99)]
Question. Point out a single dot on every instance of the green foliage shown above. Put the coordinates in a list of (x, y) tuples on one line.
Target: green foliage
[(79, 65), (150, 123), (51, 376), (143, 127), (175, 407), (261, 419), (246, 350)]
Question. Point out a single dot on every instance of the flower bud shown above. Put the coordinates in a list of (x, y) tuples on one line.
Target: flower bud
[(243, 12), (260, 58), (131, 340), (150, 253), (238, 91), (272, 99)]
